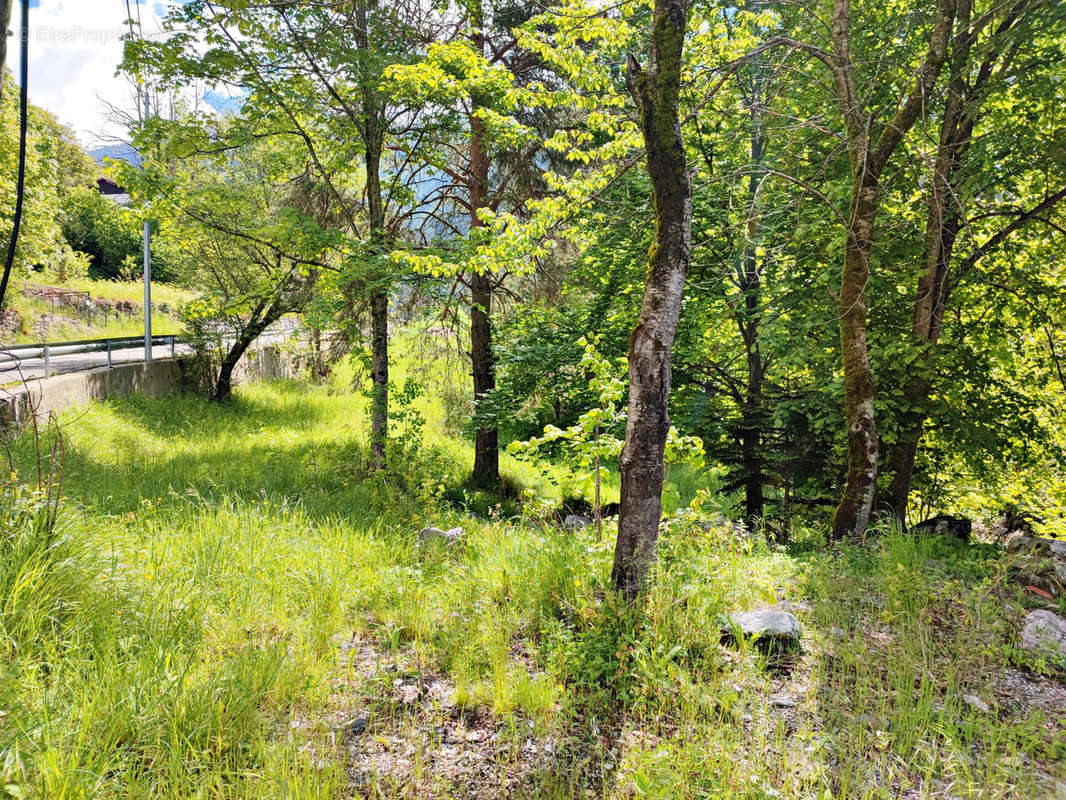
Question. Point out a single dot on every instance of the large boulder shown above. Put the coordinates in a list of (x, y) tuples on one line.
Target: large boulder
[(1044, 633), (767, 624)]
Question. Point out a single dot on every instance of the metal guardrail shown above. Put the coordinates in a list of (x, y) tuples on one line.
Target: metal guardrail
[(12, 356)]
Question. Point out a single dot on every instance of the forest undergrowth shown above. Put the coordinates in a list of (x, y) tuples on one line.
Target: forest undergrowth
[(230, 604)]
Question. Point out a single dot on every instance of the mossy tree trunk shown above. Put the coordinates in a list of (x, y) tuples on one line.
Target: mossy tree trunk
[(853, 511), (655, 92), (868, 156)]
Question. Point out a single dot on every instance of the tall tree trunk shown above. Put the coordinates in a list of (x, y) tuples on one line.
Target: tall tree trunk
[(942, 231), (486, 443), (754, 471), (656, 95), (868, 157), (379, 306), (379, 367), (750, 284), (373, 135), (942, 225), (853, 512), (482, 361), (379, 310)]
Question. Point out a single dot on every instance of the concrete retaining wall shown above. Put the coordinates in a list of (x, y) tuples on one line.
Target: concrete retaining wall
[(75, 389)]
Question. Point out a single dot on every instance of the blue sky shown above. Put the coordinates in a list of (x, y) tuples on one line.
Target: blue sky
[(75, 46)]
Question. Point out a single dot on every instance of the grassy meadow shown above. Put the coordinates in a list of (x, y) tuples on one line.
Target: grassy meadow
[(231, 605)]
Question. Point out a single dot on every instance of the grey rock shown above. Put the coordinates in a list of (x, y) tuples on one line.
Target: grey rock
[(449, 537), (356, 727), (1057, 550), (782, 701), (769, 623), (575, 522), (1016, 540), (976, 703), (1044, 633), (837, 632)]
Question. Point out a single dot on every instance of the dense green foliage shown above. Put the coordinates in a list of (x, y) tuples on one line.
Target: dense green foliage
[(69, 229), (559, 220), (110, 235), (234, 599), (56, 170)]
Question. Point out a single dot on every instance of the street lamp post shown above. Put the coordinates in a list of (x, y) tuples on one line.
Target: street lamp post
[(147, 269)]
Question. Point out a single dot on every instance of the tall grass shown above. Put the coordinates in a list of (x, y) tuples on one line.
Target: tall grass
[(183, 631)]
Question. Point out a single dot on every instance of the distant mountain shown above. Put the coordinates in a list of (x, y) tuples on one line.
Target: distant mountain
[(122, 152)]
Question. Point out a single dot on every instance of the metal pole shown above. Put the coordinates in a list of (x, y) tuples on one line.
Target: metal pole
[(172, 347), (147, 268), (109, 354), (147, 292), (47, 361)]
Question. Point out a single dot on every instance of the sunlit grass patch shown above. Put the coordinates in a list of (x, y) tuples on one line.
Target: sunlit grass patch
[(231, 585)]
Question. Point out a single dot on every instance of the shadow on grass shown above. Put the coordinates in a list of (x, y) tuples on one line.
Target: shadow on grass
[(281, 441), (184, 415)]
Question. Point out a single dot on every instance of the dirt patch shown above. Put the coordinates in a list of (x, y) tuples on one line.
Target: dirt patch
[(403, 735)]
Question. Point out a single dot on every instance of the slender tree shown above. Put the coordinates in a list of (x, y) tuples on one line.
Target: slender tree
[(313, 73), (870, 143), (983, 65), (655, 92), (486, 150), (482, 359), (372, 123), (749, 310)]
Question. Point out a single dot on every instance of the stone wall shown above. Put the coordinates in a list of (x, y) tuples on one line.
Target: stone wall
[(75, 389)]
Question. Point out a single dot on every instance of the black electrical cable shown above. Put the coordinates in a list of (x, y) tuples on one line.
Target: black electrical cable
[(24, 63)]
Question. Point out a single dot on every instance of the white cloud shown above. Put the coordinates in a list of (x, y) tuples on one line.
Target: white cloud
[(75, 47)]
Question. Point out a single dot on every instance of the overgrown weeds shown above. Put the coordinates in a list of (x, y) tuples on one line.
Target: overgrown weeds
[(199, 601)]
